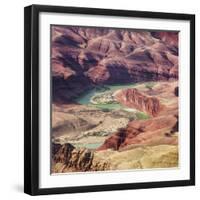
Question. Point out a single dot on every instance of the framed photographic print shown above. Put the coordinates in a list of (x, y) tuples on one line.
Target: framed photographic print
[(109, 100)]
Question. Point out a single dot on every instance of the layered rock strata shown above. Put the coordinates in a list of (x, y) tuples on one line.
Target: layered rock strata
[(84, 57), (134, 99), (68, 159)]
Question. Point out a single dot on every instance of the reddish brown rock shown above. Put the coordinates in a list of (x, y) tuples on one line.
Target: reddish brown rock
[(161, 128), (169, 38), (83, 57), (153, 131), (135, 99)]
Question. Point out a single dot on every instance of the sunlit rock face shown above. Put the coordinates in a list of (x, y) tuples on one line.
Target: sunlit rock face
[(135, 99), (115, 99), (160, 128), (84, 57)]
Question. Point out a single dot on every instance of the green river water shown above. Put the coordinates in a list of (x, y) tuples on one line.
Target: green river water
[(85, 98)]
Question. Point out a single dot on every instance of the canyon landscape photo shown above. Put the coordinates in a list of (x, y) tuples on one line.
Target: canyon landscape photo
[(114, 99)]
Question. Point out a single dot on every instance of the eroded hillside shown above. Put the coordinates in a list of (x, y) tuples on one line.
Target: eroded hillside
[(115, 99), (83, 57)]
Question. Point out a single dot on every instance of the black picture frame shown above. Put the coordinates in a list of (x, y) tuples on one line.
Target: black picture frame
[(31, 98)]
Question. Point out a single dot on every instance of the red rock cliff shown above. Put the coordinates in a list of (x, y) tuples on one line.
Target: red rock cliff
[(83, 57), (141, 132), (134, 99)]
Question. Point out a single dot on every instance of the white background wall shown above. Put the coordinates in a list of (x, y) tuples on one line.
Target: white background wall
[(11, 99)]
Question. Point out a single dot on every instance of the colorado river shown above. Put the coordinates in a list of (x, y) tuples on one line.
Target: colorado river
[(102, 97), (85, 99)]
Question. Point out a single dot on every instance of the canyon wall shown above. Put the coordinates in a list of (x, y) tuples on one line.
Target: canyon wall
[(144, 132), (67, 158), (83, 57), (161, 128), (134, 99)]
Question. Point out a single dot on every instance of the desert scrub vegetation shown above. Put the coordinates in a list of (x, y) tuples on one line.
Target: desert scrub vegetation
[(150, 85), (141, 115)]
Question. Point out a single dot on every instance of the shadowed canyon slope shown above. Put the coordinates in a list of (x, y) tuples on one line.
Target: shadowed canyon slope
[(83, 57), (115, 99), (162, 128), (148, 143)]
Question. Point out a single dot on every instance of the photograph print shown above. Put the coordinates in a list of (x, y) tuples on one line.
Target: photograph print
[(114, 99)]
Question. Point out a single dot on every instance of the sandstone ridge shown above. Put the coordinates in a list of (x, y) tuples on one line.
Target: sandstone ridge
[(68, 158), (162, 128), (134, 99), (159, 156)]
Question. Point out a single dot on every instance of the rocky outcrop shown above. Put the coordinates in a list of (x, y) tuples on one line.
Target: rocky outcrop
[(84, 57), (68, 158), (161, 128), (134, 99), (153, 131), (159, 156), (169, 38)]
